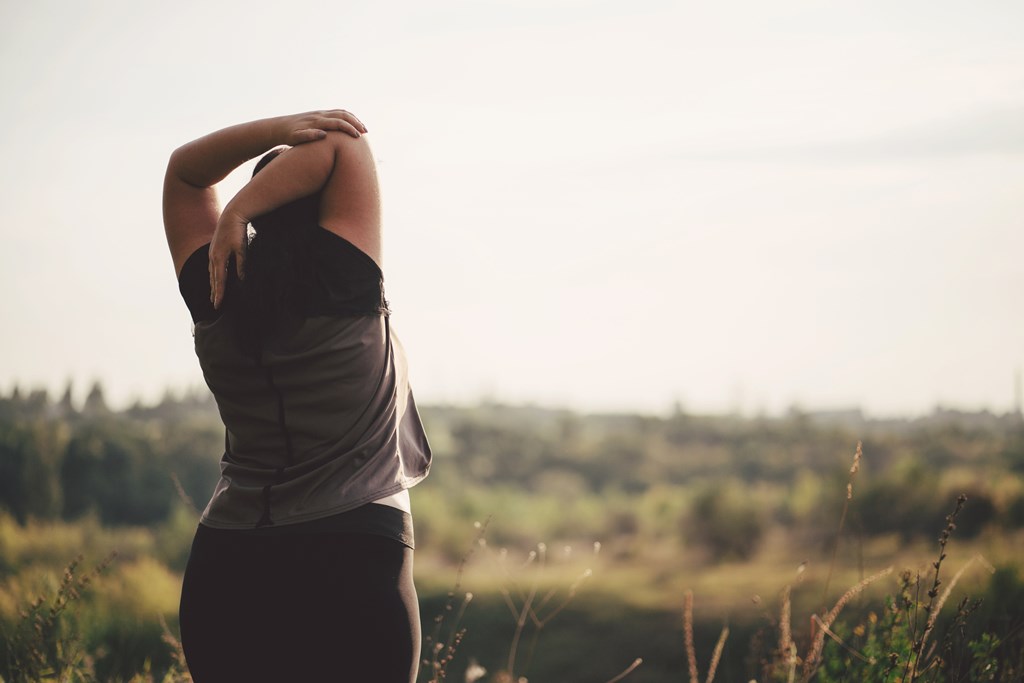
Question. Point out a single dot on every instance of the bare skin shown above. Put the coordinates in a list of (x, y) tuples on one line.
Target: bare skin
[(328, 153)]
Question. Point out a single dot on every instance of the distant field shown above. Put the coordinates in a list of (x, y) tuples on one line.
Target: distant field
[(749, 515)]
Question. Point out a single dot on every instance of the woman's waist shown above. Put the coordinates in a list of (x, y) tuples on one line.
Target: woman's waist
[(370, 518)]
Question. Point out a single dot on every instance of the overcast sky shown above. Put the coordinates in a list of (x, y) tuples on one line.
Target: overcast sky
[(600, 205)]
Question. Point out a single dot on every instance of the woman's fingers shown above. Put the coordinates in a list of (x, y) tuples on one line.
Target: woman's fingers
[(318, 131), (348, 117), (240, 264), (220, 264), (351, 118), (218, 281), (215, 277), (218, 277), (340, 121), (344, 126), (302, 128)]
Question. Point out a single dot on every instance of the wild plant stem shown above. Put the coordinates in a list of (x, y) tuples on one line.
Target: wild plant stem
[(842, 521), (716, 655), (691, 654), (933, 606), (521, 619), (630, 669)]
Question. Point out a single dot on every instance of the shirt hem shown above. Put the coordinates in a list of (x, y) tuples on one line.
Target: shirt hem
[(319, 514)]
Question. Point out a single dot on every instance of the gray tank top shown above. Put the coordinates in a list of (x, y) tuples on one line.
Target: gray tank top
[(320, 421)]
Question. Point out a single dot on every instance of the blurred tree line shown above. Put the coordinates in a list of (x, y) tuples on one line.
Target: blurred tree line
[(715, 481), (128, 467)]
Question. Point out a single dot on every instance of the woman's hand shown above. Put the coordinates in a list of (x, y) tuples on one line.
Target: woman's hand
[(229, 238), (190, 202), (310, 126)]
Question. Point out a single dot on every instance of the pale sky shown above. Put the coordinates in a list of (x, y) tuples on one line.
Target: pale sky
[(599, 205)]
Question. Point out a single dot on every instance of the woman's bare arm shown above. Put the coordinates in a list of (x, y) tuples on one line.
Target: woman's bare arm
[(191, 208), (340, 166)]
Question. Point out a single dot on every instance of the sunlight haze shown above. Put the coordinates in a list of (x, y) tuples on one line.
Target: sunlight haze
[(589, 204)]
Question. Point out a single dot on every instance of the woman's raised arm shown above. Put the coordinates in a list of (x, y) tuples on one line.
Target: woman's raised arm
[(339, 166), (191, 209)]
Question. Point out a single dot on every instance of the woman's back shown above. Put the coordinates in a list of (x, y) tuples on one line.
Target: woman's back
[(299, 353), (292, 576), (317, 413)]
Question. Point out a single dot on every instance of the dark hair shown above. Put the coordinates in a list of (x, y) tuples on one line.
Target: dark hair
[(271, 295)]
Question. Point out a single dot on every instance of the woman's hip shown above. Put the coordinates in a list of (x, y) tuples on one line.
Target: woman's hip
[(334, 606)]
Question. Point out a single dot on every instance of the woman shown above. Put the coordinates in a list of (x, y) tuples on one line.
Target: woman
[(301, 567)]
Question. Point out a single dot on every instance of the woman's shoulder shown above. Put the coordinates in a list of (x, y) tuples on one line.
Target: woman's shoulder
[(350, 200)]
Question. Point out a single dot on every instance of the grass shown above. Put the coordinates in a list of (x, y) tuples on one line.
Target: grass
[(896, 647), (566, 612)]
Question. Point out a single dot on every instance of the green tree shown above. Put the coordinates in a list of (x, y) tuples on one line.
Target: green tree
[(725, 523), (112, 469), (29, 469)]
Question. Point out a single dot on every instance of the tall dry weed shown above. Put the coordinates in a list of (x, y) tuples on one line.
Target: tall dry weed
[(691, 651), (823, 625), (854, 469), (438, 650)]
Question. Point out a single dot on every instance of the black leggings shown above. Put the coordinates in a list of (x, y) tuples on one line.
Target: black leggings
[(299, 607)]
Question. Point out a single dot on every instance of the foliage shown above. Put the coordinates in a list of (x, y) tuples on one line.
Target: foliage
[(50, 639), (671, 500), (132, 467), (727, 523), (43, 643), (127, 468), (30, 455), (892, 644)]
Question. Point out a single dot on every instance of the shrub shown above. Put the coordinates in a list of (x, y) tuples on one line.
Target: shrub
[(725, 523)]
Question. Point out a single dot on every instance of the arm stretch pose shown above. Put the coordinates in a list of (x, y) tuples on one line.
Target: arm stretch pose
[(301, 567)]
